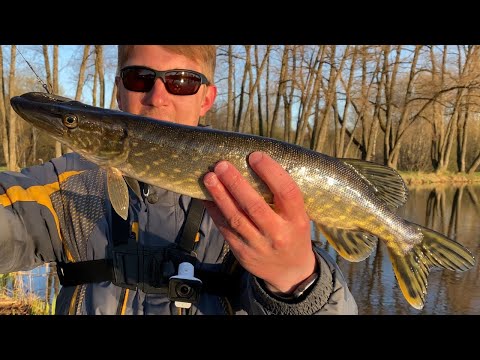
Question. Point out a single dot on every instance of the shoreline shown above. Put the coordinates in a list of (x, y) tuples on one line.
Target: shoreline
[(455, 179)]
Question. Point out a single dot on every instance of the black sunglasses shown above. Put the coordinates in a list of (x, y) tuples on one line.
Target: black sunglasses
[(177, 82)]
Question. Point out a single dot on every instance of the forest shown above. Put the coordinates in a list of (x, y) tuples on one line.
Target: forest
[(411, 107)]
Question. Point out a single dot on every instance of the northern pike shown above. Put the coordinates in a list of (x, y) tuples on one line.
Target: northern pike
[(351, 201)]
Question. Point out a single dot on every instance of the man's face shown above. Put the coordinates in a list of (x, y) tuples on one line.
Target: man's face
[(158, 103)]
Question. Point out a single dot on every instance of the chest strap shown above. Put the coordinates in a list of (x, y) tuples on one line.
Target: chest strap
[(149, 269), (186, 240)]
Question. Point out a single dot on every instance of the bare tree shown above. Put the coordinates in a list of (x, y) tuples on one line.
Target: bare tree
[(230, 90), (309, 89), (99, 69), (468, 105), (11, 119), (52, 81), (81, 73), (238, 123), (319, 136), (281, 91), (254, 84), (113, 99), (340, 136), (3, 111)]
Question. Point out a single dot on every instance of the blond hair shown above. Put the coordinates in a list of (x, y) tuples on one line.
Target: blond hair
[(204, 55)]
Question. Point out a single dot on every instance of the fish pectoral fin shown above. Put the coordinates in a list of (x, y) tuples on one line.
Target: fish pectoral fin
[(134, 185), (117, 192), (386, 182), (352, 245), (412, 269)]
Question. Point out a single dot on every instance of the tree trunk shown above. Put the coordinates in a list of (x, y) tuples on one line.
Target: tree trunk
[(12, 127), (340, 146), (99, 69), (402, 126), (3, 111), (230, 90), (58, 145), (238, 123), (281, 91), (81, 73)]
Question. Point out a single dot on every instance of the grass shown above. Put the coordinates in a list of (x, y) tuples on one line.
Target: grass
[(2, 168), (19, 302), (23, 305)]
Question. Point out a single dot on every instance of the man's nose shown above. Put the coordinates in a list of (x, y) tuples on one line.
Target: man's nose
[(158, 94)]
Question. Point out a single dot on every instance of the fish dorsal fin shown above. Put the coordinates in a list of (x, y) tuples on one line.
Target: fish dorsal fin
[(352, 245), (386, 182), (134, 185), (117, 192)]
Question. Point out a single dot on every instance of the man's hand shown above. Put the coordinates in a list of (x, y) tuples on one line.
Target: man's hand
[(272, 244)]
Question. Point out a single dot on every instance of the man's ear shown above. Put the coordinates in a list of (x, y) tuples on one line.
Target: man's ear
[(208, 99)]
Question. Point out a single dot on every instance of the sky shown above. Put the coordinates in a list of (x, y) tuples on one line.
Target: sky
[(69, 63)]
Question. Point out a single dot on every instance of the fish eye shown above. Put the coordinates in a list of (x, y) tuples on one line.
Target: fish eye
[(70, 121)]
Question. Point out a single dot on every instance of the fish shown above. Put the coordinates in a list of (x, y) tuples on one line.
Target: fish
[(352, 202)]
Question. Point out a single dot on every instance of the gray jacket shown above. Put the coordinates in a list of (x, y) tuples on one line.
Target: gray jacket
[(59, 212)]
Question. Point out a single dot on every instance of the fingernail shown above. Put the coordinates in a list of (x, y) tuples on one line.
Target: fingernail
[(221, 167), (210, 179), (255, 157)]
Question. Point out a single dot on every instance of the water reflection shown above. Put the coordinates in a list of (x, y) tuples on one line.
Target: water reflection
[(451, 210)]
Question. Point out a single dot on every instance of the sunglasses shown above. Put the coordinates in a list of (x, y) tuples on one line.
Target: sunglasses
[(177, 82)]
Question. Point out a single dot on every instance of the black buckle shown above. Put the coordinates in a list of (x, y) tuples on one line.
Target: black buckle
[(147, 269), (125, 266), (156, 271)]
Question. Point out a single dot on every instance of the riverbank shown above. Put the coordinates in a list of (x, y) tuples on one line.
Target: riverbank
[(20, 302), (421, 178), (11, 306)]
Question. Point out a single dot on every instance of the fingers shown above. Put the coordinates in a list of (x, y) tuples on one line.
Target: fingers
[(243, 194), (236, 242), (230, 210), (273, 245), (287, 196)]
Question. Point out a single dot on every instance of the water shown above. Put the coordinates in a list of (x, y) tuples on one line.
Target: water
[(451, 210)]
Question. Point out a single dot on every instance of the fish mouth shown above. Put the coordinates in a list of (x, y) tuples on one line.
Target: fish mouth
[(40, 109)]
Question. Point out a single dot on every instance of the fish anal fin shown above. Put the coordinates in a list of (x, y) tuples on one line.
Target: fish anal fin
[(352, 245), (386, 182), (118, 192), (411, 277)]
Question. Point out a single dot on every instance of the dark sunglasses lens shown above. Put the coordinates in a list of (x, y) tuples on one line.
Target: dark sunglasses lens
[(182, 83), (140, 80)]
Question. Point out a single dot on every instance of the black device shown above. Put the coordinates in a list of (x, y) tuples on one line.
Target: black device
[(184, 288)]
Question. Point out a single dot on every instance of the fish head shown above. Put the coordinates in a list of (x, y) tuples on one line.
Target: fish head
[(94, 134)]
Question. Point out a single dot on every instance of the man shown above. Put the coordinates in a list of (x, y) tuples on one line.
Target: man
[(60, 212)]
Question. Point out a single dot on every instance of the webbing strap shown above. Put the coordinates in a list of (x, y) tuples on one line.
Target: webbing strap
[(194, 218), (103, 270), (120, 236)]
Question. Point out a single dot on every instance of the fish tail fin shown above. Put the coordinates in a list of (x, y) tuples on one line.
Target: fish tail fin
[(412, 269)]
